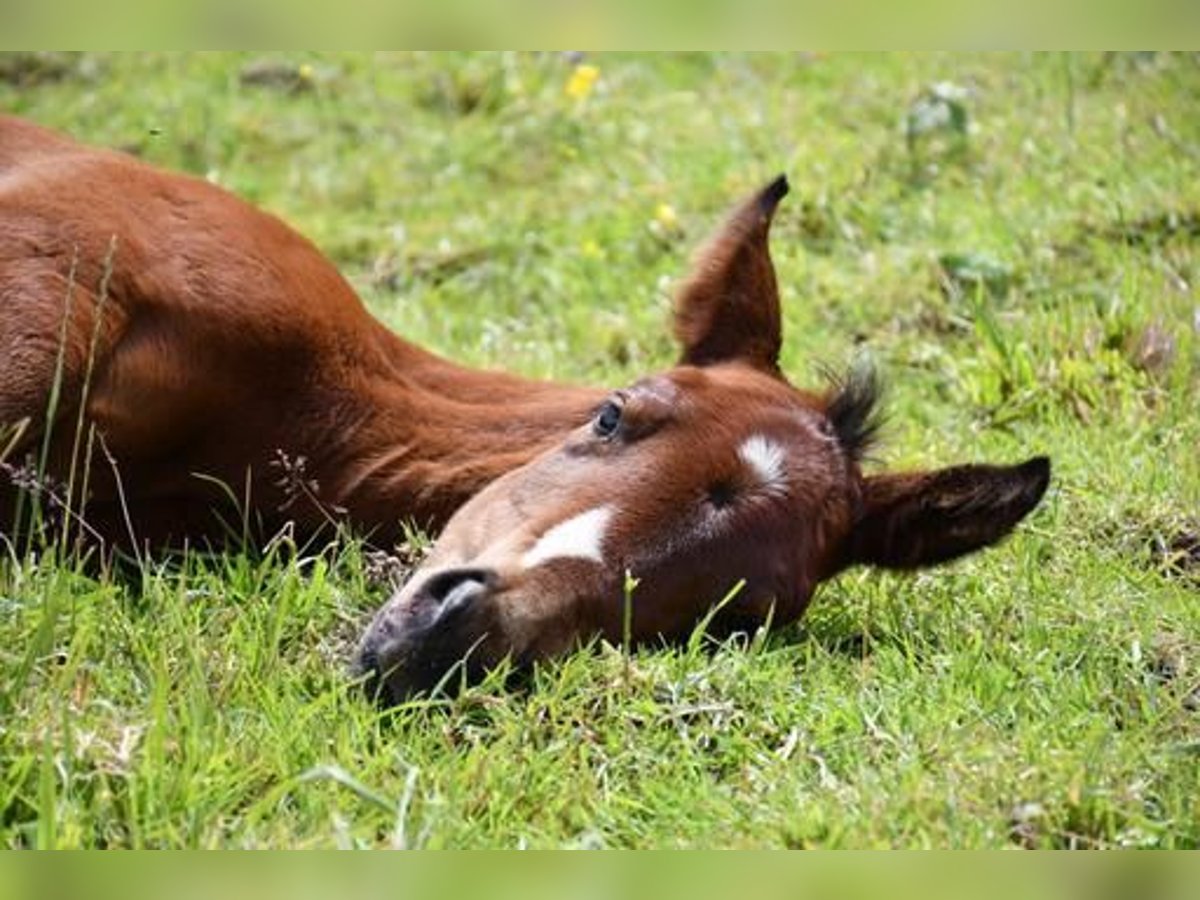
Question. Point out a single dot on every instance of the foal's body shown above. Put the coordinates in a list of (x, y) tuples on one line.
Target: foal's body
[(203, 339)]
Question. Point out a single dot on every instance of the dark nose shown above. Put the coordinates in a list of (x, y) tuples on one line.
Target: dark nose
[(365, 669), (408, 647)]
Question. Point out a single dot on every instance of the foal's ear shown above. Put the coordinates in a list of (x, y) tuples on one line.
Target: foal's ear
[(728, 308), (918, 519)]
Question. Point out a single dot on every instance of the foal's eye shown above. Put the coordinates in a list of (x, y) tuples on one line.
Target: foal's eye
[(607, 419)]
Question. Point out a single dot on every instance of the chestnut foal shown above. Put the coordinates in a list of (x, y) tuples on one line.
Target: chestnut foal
[(176, 345)]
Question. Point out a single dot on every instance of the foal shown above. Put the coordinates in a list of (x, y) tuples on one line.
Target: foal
[(203, 364)]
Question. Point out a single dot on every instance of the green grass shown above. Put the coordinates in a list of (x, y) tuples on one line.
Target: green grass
[(1019, 282)]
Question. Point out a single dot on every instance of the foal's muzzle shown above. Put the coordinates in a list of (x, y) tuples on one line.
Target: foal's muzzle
[(415, 643)]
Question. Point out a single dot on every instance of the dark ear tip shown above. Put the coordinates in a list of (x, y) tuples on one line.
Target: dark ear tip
[(1037, 471), (769, 197)]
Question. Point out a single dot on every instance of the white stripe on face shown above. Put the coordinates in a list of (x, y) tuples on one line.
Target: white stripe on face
[(580, 537), (765, 458)]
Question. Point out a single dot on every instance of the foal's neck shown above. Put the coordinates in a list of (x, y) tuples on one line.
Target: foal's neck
[(432, 434)]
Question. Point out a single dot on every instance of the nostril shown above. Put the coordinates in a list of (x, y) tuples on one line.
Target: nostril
[(454, 589), (367, 662), (366, 672)]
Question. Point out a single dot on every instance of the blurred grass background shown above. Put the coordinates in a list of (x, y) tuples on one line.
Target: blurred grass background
[(1013, 237)]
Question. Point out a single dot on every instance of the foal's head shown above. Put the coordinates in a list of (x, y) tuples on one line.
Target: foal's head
[(714, 481)]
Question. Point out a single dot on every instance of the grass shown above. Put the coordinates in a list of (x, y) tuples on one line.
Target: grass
[(1023, 269)]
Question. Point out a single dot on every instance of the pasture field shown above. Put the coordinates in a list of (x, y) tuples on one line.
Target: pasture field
[(1013, 238)]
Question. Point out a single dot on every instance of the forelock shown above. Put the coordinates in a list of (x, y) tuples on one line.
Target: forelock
[(853, 408)]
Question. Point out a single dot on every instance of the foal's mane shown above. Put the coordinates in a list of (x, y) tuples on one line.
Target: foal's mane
[(853, 406)]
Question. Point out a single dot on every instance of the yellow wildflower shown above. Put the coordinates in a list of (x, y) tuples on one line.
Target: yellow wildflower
[(589, 249), (665, 222), (581, 82), (306, 72), (666, 216)]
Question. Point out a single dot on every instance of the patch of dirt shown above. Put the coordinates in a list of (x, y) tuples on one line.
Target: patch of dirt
[(1171, 662), (1165, 543), (1151, 349), (1177, 551)]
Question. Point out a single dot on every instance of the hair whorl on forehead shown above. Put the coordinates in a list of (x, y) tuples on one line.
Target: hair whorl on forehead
[(852, 407)]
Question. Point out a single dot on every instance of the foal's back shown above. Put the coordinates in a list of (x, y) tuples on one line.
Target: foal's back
[(195, 331)]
